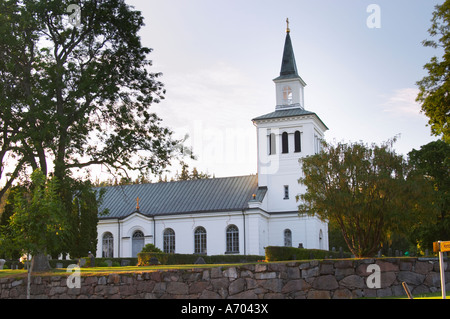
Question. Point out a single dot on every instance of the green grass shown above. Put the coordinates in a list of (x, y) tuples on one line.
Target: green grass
[(94, 271)]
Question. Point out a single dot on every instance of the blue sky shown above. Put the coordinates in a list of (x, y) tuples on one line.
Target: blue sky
[(219, 58)]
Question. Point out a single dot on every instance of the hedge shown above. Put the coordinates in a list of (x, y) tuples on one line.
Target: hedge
[(180, 259), (278, 253)]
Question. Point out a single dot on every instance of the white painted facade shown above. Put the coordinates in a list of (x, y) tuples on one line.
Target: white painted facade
[(263, 223)]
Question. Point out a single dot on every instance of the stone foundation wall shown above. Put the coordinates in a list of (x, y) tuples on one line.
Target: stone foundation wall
[(301, 280)]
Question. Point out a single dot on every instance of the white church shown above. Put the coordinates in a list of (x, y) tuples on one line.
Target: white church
[(232, 215)]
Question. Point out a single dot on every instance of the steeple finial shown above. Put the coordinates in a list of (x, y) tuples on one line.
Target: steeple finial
[(137, 203), (287, 26)]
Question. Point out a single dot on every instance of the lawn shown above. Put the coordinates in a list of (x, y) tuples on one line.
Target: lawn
[(94, 271)]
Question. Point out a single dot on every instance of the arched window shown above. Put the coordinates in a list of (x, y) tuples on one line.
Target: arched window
[(272, 144), (169, 241), (200, 241), (287, 238), (284, 143), (287, 95), (297, 142), (232, 239), (137, 242), (108, 245)]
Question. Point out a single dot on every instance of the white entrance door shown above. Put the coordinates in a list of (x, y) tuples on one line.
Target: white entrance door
[(137, 243)]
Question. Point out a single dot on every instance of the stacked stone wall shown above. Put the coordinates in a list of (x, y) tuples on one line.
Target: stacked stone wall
[(335, 279)]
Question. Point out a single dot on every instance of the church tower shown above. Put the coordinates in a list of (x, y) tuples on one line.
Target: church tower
[(284, 136)]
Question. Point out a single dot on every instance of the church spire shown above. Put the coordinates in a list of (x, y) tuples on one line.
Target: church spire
[(288, 64), (289, 84)]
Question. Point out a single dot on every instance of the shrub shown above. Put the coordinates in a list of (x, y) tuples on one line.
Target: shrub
[(150, 248)]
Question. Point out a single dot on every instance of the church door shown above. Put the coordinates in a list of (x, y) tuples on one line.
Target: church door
[(137, 242)]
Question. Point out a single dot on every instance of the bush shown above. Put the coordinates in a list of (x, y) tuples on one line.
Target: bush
[(150, 248), (278, 253)]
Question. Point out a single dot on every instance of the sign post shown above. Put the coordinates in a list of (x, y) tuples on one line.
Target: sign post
[(441, 247)]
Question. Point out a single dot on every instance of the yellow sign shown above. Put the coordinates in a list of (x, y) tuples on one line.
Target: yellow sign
[(445, 246), (442, 246)]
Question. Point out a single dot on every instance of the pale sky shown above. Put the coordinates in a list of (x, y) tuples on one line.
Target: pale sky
[(219, 58)]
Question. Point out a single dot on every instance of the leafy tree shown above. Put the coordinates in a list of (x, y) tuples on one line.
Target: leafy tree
[(38, 222), (185, 175), (364, 191), (433, 162), (82, 219), (78, 94), (74, 95), (434, 88)]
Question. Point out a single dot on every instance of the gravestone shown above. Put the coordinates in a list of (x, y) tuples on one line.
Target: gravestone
[(200, 261), (82, 262), (154, 261), (124, 262), (2, 263), (59, 265), (109, 262)]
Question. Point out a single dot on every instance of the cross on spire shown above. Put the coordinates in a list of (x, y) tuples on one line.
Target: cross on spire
[(137, 203), (287, 26)]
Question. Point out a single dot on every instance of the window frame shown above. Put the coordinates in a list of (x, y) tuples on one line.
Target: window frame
[(169, 241), (200, 241), (232, 239)]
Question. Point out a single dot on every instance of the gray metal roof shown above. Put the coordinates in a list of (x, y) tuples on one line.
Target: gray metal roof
[(287, 113), (182, 197), (284, 113)]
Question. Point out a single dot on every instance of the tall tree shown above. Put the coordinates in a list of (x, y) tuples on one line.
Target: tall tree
[(78, 92), (365, 191), (434, 88), (38, 222), (433, 161)]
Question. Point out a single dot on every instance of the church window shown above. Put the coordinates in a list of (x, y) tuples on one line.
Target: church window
[(232, 239), (285, 143), (108, 245), (297, 142), (169, 241), (286, 192), (287, 238), (272, 144), (317, 144), (287, 95), (200, 241)]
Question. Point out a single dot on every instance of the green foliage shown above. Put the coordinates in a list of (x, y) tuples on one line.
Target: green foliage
[(150, 248), (82, 206), (38, 222), (79, 95), (434, 88), (433, 162), (367, 192), (279, 253)]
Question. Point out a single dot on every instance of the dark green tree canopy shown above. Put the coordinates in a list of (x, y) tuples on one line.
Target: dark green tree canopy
[(433, 162), (365, 191), (434, 88), (77, 95)]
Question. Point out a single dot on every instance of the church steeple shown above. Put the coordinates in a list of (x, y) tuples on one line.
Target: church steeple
[(289, 84)]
